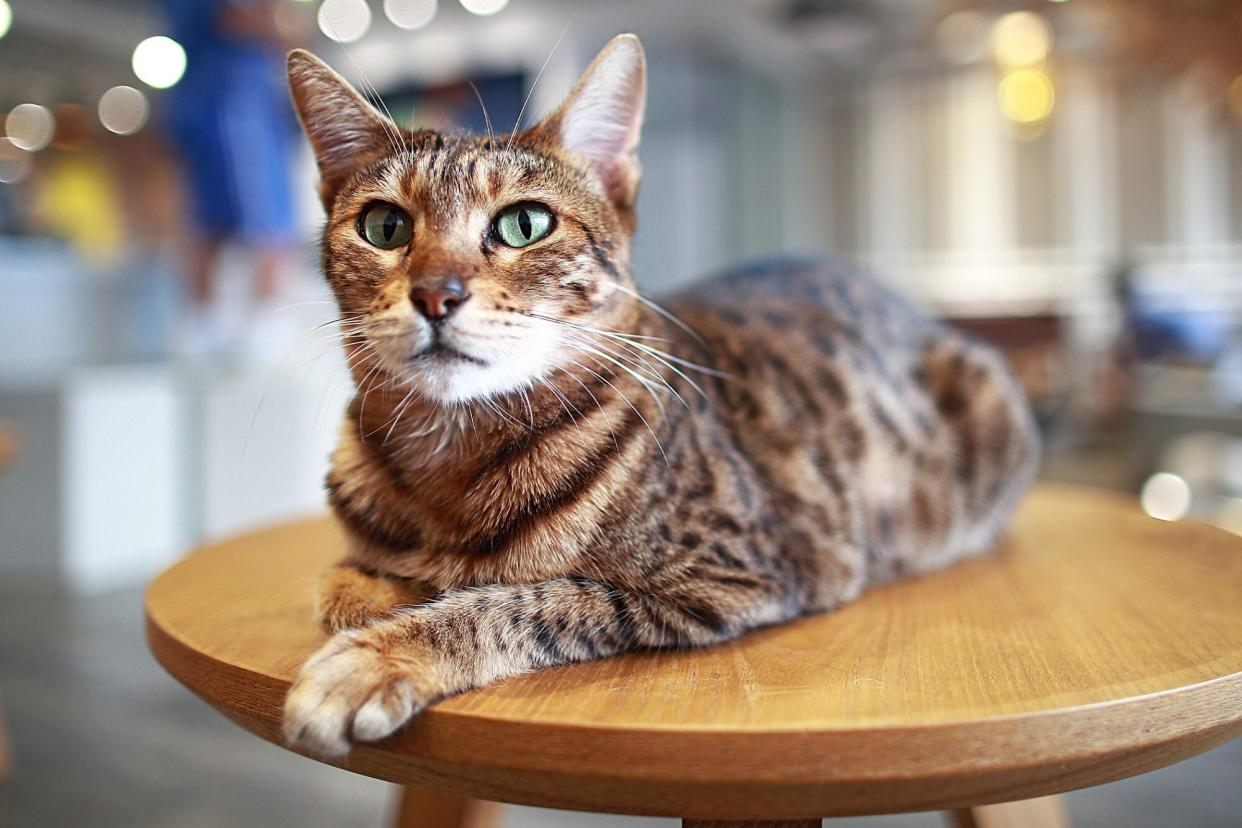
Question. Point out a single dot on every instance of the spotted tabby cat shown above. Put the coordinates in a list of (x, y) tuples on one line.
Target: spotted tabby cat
[(541, 467)]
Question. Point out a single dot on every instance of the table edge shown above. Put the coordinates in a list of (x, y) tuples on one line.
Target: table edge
[(797, 772)]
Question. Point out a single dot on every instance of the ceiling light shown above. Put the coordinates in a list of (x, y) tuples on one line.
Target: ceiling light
[(159, 62), (410, 14), (344, 21), (483, 7), (123, 110), (30, 126)]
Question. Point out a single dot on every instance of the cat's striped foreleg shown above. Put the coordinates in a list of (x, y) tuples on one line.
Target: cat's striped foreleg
[(350, 597), (366, 683)]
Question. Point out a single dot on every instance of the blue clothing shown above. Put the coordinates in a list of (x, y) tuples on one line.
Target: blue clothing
[(230, 117)]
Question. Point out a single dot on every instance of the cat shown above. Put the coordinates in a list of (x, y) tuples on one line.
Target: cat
[(542, 467)]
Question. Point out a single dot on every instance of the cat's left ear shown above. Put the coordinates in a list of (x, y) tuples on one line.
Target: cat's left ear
[(599, 123), (344, 130)]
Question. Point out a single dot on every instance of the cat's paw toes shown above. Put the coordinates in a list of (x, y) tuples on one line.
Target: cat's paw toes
[(350, 691), (340, 619), (385, 711)]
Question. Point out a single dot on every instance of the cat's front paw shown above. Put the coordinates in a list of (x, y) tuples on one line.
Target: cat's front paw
[(351, 599), (359, 687)]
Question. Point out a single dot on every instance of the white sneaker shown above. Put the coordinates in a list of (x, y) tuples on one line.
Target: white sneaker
[(199, 335), (270, 333)]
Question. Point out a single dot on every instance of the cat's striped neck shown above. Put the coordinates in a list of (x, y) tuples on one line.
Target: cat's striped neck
[(507, 481)]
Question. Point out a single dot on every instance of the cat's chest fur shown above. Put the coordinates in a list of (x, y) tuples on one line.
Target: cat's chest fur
[(520, 499)]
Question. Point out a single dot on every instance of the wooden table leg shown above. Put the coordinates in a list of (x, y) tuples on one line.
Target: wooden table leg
[(428, 809), (1045, 812), (753, 823)]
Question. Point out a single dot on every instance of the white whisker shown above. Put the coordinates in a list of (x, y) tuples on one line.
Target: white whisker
[(650, 384), (666, 314), (518, 123), (633, 407), (595, 399), (566, 405), (487, 119), (394, 134)]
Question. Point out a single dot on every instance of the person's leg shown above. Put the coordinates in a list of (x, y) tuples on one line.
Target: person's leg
[(200, 332), (271, 323), (204, 259), (268, 266)]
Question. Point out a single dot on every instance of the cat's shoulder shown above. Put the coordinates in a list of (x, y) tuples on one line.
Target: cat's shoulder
[(827, 283)]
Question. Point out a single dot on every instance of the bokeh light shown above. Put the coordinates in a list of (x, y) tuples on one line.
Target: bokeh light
[(123, 110), (159, 62), (6, 17), (14, 164), (1021, 39), (1166, 496), (483, 7), (344, 21), (962, 37), (410, 14), (30, 126), (1026, 96)]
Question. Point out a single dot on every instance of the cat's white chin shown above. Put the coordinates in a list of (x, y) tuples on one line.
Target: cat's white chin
[(454, 382), (477, 369)]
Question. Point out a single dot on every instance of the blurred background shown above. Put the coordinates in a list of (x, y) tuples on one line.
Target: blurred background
[(1063, 178)]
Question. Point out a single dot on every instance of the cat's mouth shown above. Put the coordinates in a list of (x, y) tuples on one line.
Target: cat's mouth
[(451, 365), (437, 351)]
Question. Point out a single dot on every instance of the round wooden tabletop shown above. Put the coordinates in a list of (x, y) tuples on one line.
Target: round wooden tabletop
[(1096, 643)]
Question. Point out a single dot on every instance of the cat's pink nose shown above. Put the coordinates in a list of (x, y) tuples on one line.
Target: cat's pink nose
[(437, 301)]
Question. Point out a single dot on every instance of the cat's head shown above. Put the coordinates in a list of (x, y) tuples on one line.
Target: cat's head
[(470, 266)]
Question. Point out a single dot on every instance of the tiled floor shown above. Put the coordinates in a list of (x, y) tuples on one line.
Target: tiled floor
[(104, 738)]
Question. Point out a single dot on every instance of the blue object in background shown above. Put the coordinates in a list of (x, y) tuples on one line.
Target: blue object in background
[(1161, 330), (230, 117), (502, 94)]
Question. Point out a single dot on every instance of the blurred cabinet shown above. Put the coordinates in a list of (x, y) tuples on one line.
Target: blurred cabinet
[(260, 446), (123, 461), (126, 467), (93, 501)]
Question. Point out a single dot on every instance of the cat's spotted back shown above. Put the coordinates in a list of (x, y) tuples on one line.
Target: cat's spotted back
[(542, 467)]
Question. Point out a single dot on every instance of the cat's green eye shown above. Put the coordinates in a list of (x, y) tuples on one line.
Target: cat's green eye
[(523, 224), (386, 226)]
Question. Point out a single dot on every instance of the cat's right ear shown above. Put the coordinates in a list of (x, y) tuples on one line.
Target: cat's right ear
[(344, 130), (599, 123)]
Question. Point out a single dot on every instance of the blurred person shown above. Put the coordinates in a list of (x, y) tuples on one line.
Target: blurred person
[(77, 198), (1111, 393), (231, 119), (78, 202)]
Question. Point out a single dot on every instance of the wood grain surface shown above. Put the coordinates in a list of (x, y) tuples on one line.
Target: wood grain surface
[(419, 808), (1095, 643), (1045, 812)]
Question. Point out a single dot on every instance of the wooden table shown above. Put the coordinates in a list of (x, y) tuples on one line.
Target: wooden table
[(1096, 644)]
